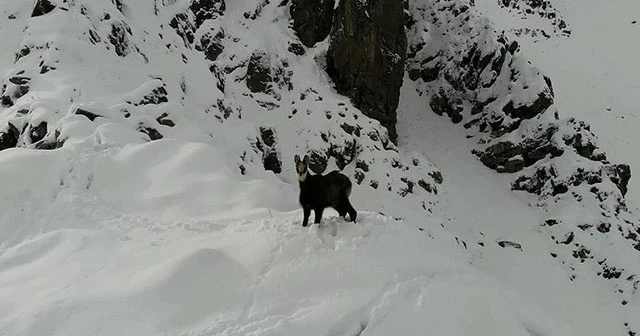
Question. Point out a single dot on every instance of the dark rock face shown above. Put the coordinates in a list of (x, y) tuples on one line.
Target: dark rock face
[(441, 104), (272, 162), (151, 132), (38, 133), (184, 28), (268, 146), (544, 142), (501, 157), (157, 95), (268, 136), (366, 57), (14, 88), (258, 72), (583, 141), (535, 182), (118, 4), (119, 38), (42, 7), (163, 119), (318, 161), (506, 243), (211, 45), (207, 9), (539, 8), (296, 49), (312, 19), (90, 115), (509, 157), (9, 137), (344, 153), (541, 104), (544, 180), (620, 174), (19, 80)]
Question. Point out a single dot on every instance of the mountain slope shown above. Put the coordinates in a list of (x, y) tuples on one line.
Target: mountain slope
[(467, 70), (145, 159), (594, 70)]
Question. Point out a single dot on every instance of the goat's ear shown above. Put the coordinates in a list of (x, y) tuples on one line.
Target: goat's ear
[(306, 159), (296, 158)]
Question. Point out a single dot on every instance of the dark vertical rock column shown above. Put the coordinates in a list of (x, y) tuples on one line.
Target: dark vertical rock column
[(366, 56), (312, 19)]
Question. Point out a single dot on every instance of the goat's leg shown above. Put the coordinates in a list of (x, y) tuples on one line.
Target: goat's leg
[(342, 213), (341, 208), (306, 210), (352, 212), (318, 212)]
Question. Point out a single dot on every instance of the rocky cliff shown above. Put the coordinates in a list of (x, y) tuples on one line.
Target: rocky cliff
[(470, 72)]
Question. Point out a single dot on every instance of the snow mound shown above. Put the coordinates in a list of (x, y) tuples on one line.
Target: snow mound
[(267, 276)]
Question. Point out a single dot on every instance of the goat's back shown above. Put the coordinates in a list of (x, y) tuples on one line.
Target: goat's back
[(323, 190), (340, 180)]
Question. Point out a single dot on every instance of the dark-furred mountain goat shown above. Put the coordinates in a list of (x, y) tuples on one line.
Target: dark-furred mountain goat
[(318, 192)]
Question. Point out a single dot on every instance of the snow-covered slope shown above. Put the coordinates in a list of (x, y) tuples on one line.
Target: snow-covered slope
[(229, 267), (464, 68), (594, 70), (152, 190)]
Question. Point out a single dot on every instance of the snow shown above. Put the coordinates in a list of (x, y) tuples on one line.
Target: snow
[(147, 257), (113, 234)]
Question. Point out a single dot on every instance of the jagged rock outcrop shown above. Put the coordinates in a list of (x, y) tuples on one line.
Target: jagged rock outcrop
[(267, 144), (13, 88), (312, 19), (484, 81), (42, 7), (258, 72), (206, 10), (366, 57), (211, 44), (119, 38), (9, 137), (473, 74)]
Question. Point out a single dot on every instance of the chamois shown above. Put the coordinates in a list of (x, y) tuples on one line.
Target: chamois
[(318, 192)]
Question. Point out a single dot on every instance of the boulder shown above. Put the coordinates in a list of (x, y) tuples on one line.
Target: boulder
[(211, 45), (9, 137), (528, 111)]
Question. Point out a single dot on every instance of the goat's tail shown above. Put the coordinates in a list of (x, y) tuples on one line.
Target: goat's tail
[(348, 191)]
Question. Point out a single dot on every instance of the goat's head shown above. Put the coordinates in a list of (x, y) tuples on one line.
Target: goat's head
[(302, 167)]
